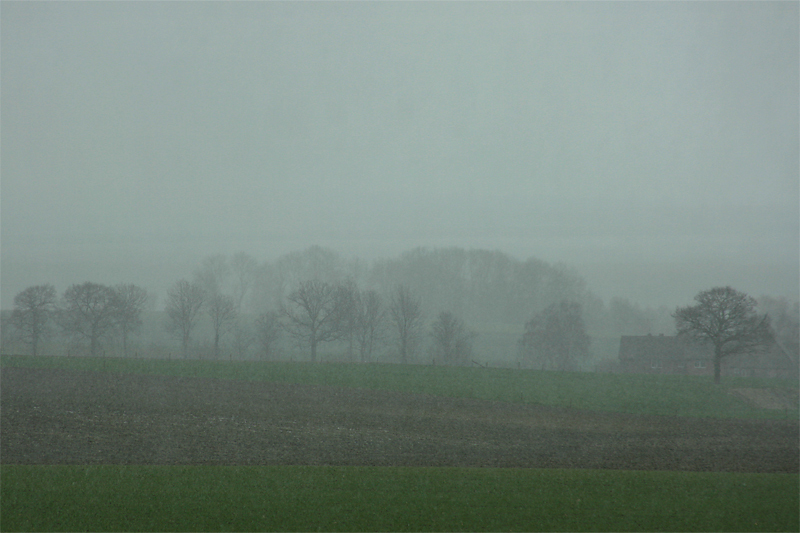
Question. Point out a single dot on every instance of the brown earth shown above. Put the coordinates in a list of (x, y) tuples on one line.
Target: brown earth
[(70, 417)]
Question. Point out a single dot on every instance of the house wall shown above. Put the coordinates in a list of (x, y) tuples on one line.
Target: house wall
[(642, 366), (741, 366), (671, 355)]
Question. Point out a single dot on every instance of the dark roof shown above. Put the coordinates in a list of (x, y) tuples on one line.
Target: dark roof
[(661, 347)]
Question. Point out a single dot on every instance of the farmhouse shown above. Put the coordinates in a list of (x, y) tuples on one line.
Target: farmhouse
[(666, 354)]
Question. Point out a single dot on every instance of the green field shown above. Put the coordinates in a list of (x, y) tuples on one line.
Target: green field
[(208, 498), (282, 498)]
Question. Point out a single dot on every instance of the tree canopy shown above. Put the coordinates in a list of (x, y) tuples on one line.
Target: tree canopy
[(556, 338), (313, 313), (452, 340), (727, 319), (33, 308), (184, 301), (91, 311)]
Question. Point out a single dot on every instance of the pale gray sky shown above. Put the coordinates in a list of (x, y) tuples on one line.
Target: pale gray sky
[(653, 146)]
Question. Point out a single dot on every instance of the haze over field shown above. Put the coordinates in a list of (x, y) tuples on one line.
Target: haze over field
[(653, 147)]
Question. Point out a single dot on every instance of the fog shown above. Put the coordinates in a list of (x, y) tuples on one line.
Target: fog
[(652, 147)]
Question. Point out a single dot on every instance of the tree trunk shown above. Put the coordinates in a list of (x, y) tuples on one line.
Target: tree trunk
[(313, 349), (717, 364), (216, 344), (185, 346), (35, 339)]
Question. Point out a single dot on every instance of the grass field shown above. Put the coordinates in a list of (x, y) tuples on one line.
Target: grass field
[(298, 498), (627, 393), (176, 498)]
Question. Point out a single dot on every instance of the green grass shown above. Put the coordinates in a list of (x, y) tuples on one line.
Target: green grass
[(630, 393), (213, 498), (282, 498)]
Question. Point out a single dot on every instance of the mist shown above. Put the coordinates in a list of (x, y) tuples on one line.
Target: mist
[(316, 266), (651, 147)]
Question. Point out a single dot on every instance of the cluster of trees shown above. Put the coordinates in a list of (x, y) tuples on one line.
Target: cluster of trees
[(556, 338), (480, 286), (314, 297), (89, 312), (318, 312), (315, 312), (723, 318), (411, 308)]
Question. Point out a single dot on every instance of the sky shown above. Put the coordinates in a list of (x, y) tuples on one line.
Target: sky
[(654, 147)]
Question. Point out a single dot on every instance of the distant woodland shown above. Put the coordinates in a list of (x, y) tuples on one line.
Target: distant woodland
[(425, 306)]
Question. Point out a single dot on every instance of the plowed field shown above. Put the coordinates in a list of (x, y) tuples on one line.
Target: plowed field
[(71, 417)]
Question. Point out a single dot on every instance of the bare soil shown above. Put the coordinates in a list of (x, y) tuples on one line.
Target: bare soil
[(70, 417)]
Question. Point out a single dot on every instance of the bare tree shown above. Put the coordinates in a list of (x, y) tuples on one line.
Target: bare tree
[(184, 301), (313, 314), (406, 313), (726, 319), (213, 274), (785, 321), (242, 337), (556, 337), (452, 340), (222, 311), (268, 287), (244, 269), (268, 332), (347, 303), (33, 309), (628, 318), (370, 322), (90, 312), (131, 301), (315, 263)]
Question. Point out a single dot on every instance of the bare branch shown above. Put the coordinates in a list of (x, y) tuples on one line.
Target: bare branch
[(406, 313), (313, 314), (90, 312), (33, 309), (726, 319), (184, 301)]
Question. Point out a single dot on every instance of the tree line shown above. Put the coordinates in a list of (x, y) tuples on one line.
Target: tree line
[(308, 298), (314, 313), (417, 305), (90, 312), (413, 308), (318, 312)]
